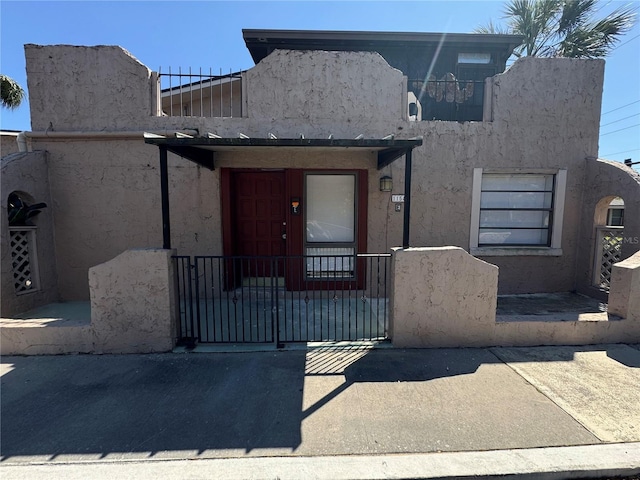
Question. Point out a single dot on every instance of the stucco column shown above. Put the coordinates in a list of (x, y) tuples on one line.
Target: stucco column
[(624, 293), (133, 302), (441, 297)]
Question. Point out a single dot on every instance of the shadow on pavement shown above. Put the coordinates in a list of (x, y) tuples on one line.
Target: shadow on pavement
[(100, 405), (150, 403), (622, 353), (390, 366), (628, 357), (232, 404)]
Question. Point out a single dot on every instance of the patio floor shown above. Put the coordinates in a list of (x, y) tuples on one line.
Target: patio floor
[(254, 319), (63, 314), (317, 322), (565, 306)]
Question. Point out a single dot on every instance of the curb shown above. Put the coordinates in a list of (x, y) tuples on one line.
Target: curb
[(550, 463)]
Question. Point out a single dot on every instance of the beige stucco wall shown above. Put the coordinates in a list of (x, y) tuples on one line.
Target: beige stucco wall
[(8, 143), (133, 310), (605, 180), (310, 85), (579, 332), (545, 116), (325, 94), (441, 297), (444, 297), (106, 199), (133, 306), (27, 173), (45, 337), (87, 88), (624, 297), (115, 200)]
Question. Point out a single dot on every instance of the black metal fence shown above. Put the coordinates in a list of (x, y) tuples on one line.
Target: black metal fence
[(448, 99), (282, 299)]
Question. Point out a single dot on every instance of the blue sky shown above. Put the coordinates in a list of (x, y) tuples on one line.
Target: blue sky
[(209, 34)]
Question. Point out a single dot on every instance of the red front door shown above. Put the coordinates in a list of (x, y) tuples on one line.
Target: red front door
[(259, 209)]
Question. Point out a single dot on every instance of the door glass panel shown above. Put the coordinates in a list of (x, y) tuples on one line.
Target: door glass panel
[(330, 208), (330, 262)]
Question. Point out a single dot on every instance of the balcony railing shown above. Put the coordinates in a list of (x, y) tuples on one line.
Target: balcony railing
[(198, 94), (446, 99)]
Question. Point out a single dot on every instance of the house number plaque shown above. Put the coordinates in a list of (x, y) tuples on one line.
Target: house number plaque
[(295, 206)]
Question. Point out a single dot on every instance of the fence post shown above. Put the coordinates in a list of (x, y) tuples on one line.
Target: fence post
[(275, 297)]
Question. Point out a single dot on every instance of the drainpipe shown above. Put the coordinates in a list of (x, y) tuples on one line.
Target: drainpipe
[(22, 142)]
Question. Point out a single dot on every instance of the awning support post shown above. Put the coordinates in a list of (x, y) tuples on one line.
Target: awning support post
[(164, 192), (407, 198)]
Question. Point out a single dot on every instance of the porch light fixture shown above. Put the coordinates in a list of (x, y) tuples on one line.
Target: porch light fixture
[(386, 184)]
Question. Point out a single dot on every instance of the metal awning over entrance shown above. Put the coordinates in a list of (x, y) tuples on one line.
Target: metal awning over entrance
[(202, 150)]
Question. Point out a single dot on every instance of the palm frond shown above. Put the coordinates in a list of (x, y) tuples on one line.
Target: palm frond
[(533, 20), (575, 13), (595, 40), (492, 28), (11, 93), (565, 28)]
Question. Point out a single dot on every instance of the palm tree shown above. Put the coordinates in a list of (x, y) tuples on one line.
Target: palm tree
[(11, 93), (563, 28)]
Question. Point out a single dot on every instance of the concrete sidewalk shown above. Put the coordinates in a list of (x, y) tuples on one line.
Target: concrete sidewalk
[(97, 412)]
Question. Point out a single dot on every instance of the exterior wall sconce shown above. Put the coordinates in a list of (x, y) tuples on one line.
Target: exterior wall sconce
[(386, 184)]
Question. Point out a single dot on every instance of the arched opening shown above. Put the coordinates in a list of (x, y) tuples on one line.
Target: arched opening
[(608, 223)]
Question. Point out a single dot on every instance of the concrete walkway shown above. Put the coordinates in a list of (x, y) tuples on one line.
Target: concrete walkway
[(94, 415)]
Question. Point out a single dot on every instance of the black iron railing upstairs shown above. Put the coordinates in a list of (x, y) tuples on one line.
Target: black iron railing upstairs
[(448, 99), (197, 94)]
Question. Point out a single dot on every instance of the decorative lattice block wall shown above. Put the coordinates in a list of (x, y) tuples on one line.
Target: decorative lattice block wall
[(24, 259), (609, 250)]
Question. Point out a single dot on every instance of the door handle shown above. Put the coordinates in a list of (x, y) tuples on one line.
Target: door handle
[(284, 236)]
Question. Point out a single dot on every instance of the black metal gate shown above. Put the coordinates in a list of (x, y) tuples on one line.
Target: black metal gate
[(282, 299)]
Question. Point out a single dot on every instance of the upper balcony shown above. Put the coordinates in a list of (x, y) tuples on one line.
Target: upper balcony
[(189, 94), (446, 99), (445, 73), (104, 88)]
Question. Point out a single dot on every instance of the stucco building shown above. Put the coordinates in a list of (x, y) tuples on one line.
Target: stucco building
[(335, 143)]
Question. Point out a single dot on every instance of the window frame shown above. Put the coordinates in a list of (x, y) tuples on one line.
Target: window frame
[(353, 245), (610, 216), (554, 245)]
